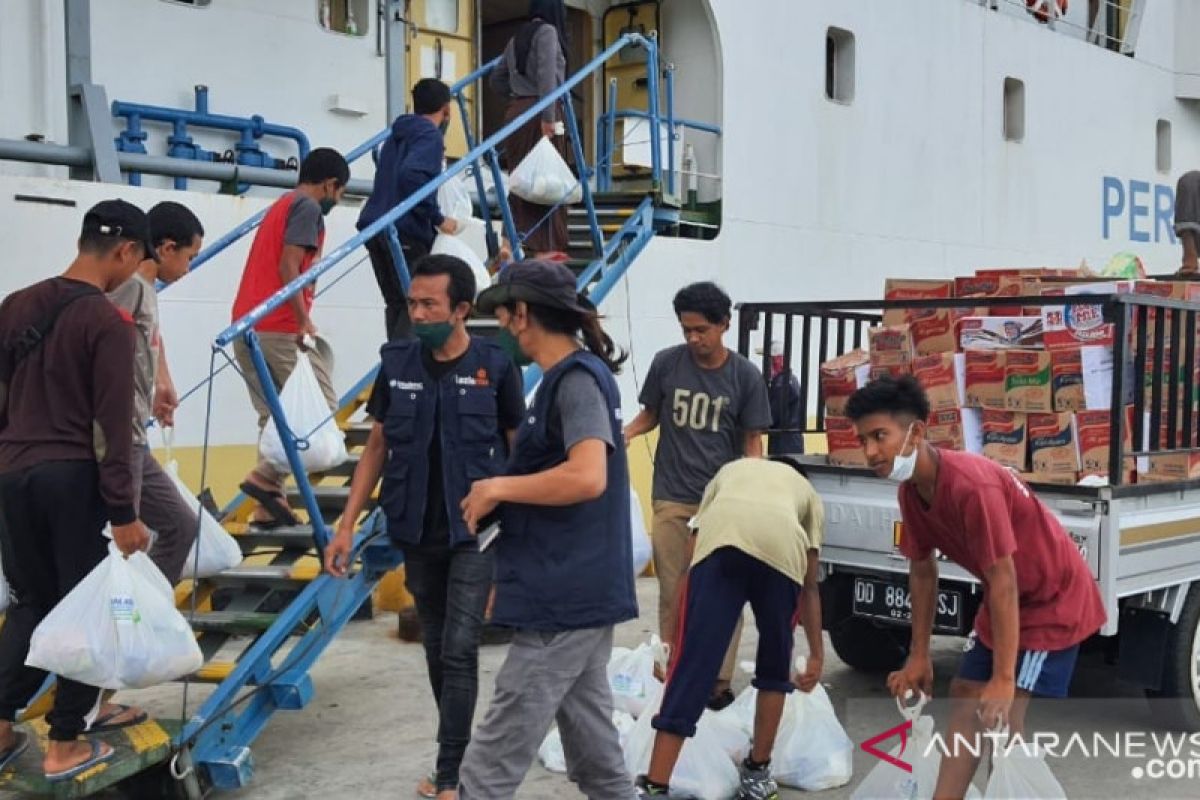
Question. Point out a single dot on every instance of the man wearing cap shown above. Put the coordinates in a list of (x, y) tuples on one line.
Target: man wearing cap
[(563, 563), (446, 407), (66, 440), (783, 391)]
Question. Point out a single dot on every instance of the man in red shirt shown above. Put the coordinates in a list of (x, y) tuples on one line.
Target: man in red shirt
[(1040, 600), (288, 241)]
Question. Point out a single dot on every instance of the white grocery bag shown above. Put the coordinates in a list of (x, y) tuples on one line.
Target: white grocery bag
[(888, 782), (705, 769), (218, 551), (448, 245), (307, 415), (117, 629), (454, 198), (641, 542), (1020, 772), (631, 675), (544, 178), (551, 752)]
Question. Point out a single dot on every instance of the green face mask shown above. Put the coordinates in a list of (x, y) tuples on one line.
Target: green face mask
[(327, 204), (509, 344), (433, 334)]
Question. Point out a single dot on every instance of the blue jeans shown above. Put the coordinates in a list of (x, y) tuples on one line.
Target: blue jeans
[(450, 586)]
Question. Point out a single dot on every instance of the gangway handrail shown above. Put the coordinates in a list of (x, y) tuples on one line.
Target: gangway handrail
[(252, 318), (249, 224)]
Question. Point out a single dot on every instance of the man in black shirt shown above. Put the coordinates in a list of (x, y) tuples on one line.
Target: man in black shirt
[(446, 409)]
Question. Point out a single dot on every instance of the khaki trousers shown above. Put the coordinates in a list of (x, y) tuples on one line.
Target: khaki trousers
[(670, 538)]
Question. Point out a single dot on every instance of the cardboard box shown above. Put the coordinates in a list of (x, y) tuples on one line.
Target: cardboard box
[(983, 371), (1172, 467), (1027, 385), (1064, 479), (1093, 431), (943, 377), (842, 377), (891, 345), (1000, 333), (1004, 438), (912, 289), (844, 448), (1075, 325), (889, 371), (934, 331), (1034, 272), (1066, 379), (946, 430), (1053, 445), (992, 286)]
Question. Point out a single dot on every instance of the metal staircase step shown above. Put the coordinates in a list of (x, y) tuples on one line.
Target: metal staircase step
[(287, 537), (277, 575), (330, 499), (233, 622), (357, 433), (346, 468)]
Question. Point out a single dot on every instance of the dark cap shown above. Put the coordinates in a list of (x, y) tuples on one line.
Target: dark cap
[(545, 283), (122, 220)]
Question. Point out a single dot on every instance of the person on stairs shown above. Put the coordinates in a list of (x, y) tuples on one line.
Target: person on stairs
[(66, 468), (446, 406), (534, 65), (564, 548), (287, 243), (408, 159), (757, 540), (176, 236), (710, 406)]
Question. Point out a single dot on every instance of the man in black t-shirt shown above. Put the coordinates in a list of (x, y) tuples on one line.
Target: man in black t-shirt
[(446, 411)]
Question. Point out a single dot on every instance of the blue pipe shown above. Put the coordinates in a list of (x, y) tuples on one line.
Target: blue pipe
[(493, 246), (280, 297), (611, 133), (581, 161), (399, 262), (652, 107), (510, 224), (682, 122), (671, 129)]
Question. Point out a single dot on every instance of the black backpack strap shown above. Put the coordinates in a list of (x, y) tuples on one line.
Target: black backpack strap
[(22, 343)]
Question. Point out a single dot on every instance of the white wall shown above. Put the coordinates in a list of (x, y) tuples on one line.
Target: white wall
[(34, 76)]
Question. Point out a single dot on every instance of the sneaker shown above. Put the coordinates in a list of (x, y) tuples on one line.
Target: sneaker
[(720, 700), (757, 784), (644, 790)]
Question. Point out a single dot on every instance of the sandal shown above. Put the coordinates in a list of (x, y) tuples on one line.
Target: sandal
[(13, 753), (427, 788), (104, 723), (271, 502), (98, 756)]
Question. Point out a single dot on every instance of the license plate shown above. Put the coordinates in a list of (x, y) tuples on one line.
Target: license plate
[(882, 600)]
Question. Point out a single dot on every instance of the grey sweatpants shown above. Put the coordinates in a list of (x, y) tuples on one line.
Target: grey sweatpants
[(549, 677), (163, 510)]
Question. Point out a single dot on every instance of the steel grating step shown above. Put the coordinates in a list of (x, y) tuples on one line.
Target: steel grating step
[(287, 537), (233, 622)]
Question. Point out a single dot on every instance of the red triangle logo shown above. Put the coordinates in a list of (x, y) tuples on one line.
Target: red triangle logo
[(902, 731)]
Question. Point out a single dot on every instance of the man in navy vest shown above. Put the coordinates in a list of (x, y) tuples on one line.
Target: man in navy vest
[(446, 408)]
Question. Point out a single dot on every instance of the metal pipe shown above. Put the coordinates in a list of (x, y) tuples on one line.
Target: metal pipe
[(706, 127), (213, 171), (611, 133), (45, 153), (581, 162), (510, 225), (493, 246), (280, 297), (671, 129), (256, 125), (652, 108)]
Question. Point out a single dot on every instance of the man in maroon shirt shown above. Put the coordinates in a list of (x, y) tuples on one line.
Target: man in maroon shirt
[(1040, 600), (66, 441)]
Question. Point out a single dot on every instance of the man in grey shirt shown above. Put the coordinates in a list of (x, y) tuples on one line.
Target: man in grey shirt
[(712, 406)]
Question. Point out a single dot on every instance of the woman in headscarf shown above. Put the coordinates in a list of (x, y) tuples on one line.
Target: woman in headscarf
[(534, 65)]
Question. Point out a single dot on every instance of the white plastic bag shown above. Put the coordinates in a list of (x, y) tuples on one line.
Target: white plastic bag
[(1020, 772), (307, 415), (641, 542), (705, 769), (887, 781), (544, 178), (631, 675), (4, 590), (812, 751), (218, 550), (454, 246), (454, 198), (117, 629), (551, 752)]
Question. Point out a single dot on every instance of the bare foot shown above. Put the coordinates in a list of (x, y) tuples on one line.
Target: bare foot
[(62, 756), (448, 794), (8, 736)]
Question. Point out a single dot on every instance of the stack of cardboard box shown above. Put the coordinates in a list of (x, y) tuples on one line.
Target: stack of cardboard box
[(1030, 387)]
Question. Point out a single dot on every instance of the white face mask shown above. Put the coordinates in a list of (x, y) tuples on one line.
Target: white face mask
[(903, 466)]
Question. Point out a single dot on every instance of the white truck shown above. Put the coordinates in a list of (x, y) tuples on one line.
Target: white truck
[(1141, 540)]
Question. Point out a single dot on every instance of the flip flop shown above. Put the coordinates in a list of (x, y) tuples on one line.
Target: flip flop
[(104, 723), (431, 792), (280, 513), (11, 754), (98, 756)]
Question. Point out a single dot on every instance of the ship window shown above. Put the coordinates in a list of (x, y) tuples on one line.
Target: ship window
[(1014, 110), (1162, 146), (442, 15), (344, 16), (193, 3), (839, 65)]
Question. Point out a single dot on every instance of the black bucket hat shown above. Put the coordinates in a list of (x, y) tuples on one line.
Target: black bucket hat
[(545, 283)]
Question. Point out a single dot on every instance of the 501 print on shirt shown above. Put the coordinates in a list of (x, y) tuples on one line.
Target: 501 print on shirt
[(697, 410)]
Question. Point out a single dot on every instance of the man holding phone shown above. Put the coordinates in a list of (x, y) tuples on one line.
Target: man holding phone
[(446, 408)]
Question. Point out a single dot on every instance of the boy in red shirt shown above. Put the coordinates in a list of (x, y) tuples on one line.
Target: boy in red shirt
[(1040, 600), (285, 246)]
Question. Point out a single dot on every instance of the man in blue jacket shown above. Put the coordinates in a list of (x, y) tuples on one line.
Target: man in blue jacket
[(409, 159)]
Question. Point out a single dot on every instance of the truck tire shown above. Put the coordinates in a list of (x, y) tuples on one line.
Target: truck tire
[(868, 647), (1181, 670)]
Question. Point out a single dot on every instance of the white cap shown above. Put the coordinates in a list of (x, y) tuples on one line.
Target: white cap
[(776, 348)]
